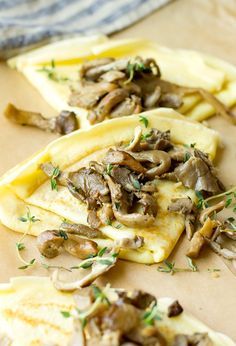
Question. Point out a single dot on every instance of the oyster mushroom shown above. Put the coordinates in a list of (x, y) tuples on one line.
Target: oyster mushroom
[(64, 123), (199, 238), (136, 139), (82, 230), (99, 265), (49, 243), (119, 157), (207, 212), (160, 160), (80, 247)]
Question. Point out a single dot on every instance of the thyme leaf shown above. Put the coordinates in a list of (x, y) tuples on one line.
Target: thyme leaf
[(143, 120)]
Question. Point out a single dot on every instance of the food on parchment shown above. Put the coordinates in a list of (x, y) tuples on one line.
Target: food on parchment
[(97, 79), (33, 312), (114, 182)]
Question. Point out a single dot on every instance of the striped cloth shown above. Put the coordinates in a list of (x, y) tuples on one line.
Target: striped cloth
[(27, 23)]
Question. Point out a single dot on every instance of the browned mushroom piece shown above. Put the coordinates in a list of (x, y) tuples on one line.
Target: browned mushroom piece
[(182, 205), (119, 157), (48, 168), (80, 247), (171, 100), (90, 186), (229, 254), (80, 229), (199, 238), (133, 219), (134, 143), (66, 122), (160, 160), (196, 339), (130, 105), (156, 140), (112, 76), (93, 219), (152, 99), (94, 63), (95, 72), (140, 299), (88, 94), (174, 309), (207, 212), (107, 103), (131, 243), (197, 175), (49, 243)]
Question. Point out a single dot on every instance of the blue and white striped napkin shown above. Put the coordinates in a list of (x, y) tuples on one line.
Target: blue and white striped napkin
[(25, 23)]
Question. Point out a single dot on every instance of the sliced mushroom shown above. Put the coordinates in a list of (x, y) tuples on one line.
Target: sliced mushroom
[(222, 251), (175, 309), (93, 219), (97, 269), (136, 139), (49, 243), (152, 99), (95, 72), (106, 104), (130, 105), (205, 213), (160, 159), (196, 175), (121, 214), (182, 205), (119, 157), (66, 122), (94, 63), (199, 237), (89, 94), (80, 229), (196, 339), (131, 243), (48, 168), (112, 76), (79, 247)]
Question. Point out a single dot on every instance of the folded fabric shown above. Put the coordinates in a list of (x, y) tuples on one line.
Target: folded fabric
[(24, 24)]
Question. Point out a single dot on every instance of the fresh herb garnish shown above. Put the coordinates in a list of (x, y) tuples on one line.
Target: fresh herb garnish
[(108, 222), (152, 315), (187, 156), (192, 265), (201, 202), (170, 268), (102, 251), (143, 120), (47, 266), (109, 168), (30, 264), (63, 234), (135, 67), (53, 177), (99, 294), (52, 73), (213, 270), (118, 226), (66, 314), (28, 218), (145, 136), (20, 246)]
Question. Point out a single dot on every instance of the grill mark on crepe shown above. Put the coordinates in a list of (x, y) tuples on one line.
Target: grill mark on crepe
[(14, 314)]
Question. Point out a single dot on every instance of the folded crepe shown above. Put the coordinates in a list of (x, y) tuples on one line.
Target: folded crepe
[(33, 312), (26, 188), (54, 70)]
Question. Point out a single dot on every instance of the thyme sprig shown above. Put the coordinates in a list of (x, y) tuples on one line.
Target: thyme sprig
[(170, 267), (20, 245), (53, 179), (52, 73), (143, 120), (107, 260), (133, 67), (151, 315)]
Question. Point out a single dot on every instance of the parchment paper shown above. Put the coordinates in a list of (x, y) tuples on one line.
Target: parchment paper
[(209, 26)]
